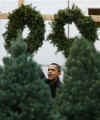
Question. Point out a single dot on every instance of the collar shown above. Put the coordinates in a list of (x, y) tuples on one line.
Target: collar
[(57, 82)]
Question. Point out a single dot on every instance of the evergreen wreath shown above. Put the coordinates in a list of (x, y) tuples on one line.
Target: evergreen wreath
[(18, 20), (85, 25)]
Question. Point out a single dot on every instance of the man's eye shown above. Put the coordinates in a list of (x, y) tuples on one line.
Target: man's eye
[(48, 70), (51, 70)]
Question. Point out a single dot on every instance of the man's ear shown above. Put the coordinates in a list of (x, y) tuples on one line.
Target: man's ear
[(59, 73)]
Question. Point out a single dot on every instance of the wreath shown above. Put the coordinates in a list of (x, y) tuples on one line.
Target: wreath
[(18, 20), (85, 25)]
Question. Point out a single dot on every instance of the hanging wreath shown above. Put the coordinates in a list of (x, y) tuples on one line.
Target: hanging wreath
[(85, 25), (18, 20)]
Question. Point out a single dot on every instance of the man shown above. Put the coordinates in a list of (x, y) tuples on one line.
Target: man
[(54, 71)]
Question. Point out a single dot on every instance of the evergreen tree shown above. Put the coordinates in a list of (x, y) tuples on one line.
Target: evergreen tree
[(24, 95), (80, 97)]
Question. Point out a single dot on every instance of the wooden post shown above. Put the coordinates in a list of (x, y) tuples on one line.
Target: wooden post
[(5, 15), (20, 2)]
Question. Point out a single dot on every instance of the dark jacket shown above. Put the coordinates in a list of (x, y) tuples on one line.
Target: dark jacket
[(54, 86)]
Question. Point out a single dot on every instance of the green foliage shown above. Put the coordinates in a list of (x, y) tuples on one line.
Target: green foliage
[(85, 25), (24, 95), (80, 97), (18, 20)]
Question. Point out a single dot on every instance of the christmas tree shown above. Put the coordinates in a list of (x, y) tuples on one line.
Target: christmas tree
[(80, 99), (24, 95)]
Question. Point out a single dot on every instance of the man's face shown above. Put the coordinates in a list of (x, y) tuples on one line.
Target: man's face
[(53, 72)]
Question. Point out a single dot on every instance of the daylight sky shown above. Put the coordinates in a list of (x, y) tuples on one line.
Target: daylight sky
[(47, 53)]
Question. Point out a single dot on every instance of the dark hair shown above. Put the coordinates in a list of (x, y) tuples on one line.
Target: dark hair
[(57, 65)]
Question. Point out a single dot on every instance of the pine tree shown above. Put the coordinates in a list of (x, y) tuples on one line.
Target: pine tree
[(80, 97), (24, 95)]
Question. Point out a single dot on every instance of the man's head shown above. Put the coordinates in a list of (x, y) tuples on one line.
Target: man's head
[(54, 70)]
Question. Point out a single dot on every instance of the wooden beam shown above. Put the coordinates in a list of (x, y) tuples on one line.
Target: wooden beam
[(96, 18), (95, 14), (3, 16), (45, 17), (20, 2), (93, 11), (48, 17)]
